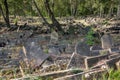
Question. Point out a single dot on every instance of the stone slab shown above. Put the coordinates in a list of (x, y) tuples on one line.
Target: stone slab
[(92, 48), (77, 61), (92, 61), (114, 50), (35, 54), (106, 41), (112, 62), (82, 48)]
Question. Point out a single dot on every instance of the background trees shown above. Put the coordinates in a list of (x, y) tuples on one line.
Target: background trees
[(63, 7), (59, 8)]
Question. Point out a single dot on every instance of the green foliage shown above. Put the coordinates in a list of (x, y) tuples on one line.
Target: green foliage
[(63, 7), (90, 38), (75, 71), (114, 74)]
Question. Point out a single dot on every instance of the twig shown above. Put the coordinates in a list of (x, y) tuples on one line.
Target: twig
[(70, 59)]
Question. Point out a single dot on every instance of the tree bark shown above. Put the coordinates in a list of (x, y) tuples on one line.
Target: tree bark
[(118, 11), (75, 8), (6, 15), (55, 23), (40, 14), (1, 10)]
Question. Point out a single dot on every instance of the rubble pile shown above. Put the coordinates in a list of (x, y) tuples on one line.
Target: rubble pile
[(38, 56)]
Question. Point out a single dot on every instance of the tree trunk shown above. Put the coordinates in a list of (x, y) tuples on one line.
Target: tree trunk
[(75, 8), (6, 15), (1, 10), (52, 17), (40, 14), (118, 11)]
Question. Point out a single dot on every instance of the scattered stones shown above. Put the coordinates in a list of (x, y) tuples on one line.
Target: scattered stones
[(14, 38), (10, 56), (16, 35)]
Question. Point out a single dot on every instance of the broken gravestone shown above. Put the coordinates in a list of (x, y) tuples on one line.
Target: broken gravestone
[(106, 41), (58, 48), (92, 48), (95, 50), (114, 50), (35, 54), (82, 48), (53, 50), (69, 49), (77, 61), (54, 37)]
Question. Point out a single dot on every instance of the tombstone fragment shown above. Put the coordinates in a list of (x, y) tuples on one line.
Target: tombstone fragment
[(69, 49), (95, 48), (92, 61), (77, 61), (54, 37), (35, 54), (106, 41), (82, 48), (54, 51), (114, 50)]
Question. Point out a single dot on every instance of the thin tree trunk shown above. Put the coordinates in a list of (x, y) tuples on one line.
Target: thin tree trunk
[(75, 8), (7, 13), (40, 14), (52, 17), (1, 10), (118, 11), (5, 16)]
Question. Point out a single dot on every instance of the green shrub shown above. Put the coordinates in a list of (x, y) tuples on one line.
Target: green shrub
[(90, 38)]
